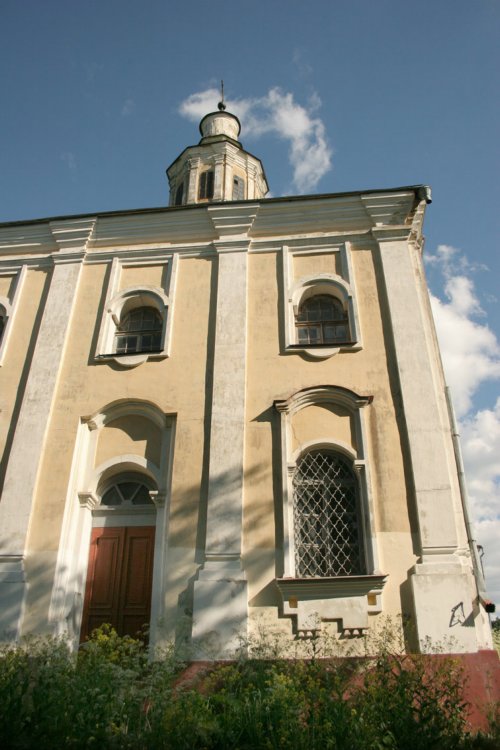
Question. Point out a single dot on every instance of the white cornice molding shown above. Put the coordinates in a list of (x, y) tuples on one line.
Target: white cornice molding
[(171, 226), (358, 217), (389, 208), (73, 234), (233, 220), (27, 239), (392, 233), (231, 245)]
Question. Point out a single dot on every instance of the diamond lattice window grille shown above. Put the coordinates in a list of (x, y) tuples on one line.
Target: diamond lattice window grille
[(326, 522)]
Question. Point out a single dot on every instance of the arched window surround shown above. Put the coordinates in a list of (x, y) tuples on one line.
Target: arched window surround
[(298, 288), (117, 309), (120, 301), (323, 596)]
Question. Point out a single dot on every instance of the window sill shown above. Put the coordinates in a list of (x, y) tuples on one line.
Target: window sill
[(323, 351), (133, 359), (349, 599)]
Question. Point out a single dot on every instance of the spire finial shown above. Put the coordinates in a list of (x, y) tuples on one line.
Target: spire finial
[(221, 106)]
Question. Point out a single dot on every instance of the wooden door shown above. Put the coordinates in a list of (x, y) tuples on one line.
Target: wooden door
[(119, 578)]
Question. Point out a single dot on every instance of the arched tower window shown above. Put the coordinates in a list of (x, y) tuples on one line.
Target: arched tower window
[(206, 189), (179, 195), (139, 330), (326, 517), (322, 320)]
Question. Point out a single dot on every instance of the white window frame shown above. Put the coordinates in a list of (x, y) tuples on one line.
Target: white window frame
[(119, 302), (296, 291), (9, 305)]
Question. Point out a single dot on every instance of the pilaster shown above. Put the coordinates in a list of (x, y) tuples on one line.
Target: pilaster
[(220, 593), (34, 418), (440, 580)]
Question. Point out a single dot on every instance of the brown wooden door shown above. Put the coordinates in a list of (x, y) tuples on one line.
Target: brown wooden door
[(119, 578)]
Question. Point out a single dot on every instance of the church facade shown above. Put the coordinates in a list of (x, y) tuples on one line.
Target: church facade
[(228, 412)]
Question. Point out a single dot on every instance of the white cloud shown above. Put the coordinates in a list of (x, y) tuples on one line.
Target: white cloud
[(470, 350), (471, 356), (277, 113), (127, 107), (481, 449)]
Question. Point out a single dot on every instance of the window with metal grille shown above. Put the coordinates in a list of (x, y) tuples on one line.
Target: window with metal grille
[(206, 189), (238, 188), (140, 330), (326, 517), (322, 320)]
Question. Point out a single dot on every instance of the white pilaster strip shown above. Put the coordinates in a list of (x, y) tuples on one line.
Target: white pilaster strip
[(425, 430), (440, 582), (32, 426)]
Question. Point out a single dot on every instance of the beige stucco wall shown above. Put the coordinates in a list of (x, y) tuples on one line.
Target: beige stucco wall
[(316, 263), (271, 376), (86, 386), (141, 275)]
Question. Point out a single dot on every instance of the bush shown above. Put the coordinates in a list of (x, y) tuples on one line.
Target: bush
[(110, 695)]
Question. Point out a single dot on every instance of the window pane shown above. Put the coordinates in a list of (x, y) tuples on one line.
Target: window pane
[(314, 334), (146, 325), (142, 496), (128, 489), (210, 184), (206, 189), (325, 321), (111, 497), (303, 335)]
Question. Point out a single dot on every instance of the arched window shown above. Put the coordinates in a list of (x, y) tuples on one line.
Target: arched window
[(139, 330), (179, 195), (206, 189), (322, 320), (326, 517), (129, 492)]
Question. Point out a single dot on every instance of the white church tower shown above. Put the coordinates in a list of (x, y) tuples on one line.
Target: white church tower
[(218, 168)]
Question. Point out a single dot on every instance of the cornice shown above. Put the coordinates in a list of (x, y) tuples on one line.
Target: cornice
[(168, 227), (391, 215), (233, 220), (28, 239), (73, 234), (392, 234)]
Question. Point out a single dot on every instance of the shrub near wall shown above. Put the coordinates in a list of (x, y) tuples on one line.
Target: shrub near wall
[(111, 696)]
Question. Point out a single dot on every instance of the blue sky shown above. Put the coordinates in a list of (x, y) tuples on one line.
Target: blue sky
[(99, 97)]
